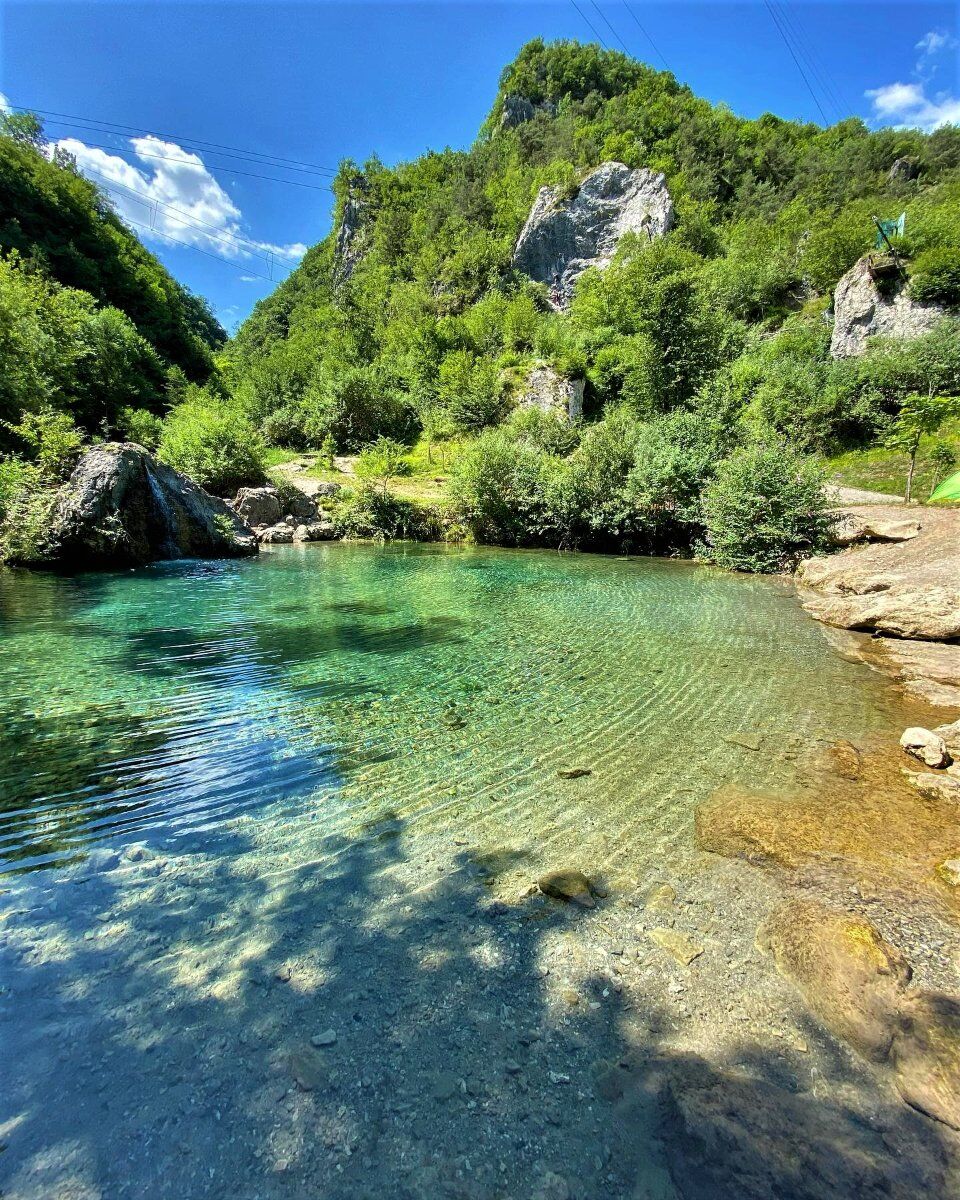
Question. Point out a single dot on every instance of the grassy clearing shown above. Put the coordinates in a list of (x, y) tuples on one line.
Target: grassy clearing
[(882, 470)]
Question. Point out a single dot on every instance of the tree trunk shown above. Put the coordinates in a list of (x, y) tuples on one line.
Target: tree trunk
[(913, 464)]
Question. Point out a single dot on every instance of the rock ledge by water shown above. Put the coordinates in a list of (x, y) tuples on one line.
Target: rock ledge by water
[(121, 506)]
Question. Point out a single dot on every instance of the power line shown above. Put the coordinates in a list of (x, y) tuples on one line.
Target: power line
[(199, 250), (810, 57), (86, 127), (176, 137), (590, 24), (186, 218), (119, 152), (646, 34), (799, 66), (609, 26)]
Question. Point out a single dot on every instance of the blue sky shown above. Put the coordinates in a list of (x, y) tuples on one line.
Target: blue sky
[(315, 83)]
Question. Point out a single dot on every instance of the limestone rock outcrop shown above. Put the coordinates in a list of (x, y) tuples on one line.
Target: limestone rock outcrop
[(870, 301), (562, 238), (121, 506), (551, 392), (517, 110), (348, 245)]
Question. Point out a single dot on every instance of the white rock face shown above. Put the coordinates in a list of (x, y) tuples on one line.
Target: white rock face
[(861, 311), (562, 238), (550, 391)]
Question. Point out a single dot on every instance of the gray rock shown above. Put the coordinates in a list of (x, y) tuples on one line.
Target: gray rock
[(121, 506), (551, 392), (258, 505), (277, 534), (327, 1038), (328, 489), (517, 110), (348, 247), (852, 527), (861, 310), (301, 507), (562, 238), (903, 170)]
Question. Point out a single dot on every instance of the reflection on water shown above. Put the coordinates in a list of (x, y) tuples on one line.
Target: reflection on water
[(448, 684)]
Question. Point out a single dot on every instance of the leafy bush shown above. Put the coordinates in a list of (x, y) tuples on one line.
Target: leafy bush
[(141, 426), (498, 489), (52, 439), (376, 515), (764, 510), (382, 461), (27, 498), (936, 276), (214, 444)]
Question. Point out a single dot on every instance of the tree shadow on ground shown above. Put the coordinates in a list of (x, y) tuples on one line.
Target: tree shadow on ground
[(159, 1020)]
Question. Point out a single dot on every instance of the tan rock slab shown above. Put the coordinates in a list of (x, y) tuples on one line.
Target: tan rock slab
[(926, 1056), (682, 947), (849, 976)]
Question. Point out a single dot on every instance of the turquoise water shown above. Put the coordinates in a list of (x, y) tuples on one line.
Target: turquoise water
[(328, 690), (244, 804)]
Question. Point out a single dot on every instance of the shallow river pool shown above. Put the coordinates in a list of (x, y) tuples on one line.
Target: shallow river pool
[(265, 833)]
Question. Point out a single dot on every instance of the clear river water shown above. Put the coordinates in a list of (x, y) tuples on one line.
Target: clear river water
[(248, 804)]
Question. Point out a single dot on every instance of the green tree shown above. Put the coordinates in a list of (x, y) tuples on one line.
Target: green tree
[(919, 417), (381, 462)]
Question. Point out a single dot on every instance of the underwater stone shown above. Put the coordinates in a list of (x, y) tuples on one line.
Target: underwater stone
[(568, 884)]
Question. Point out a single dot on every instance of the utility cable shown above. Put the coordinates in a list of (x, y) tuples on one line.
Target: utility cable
[(799, 66), (643, 30)]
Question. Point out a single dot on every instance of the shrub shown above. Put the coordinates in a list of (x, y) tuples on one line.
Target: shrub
[(497, 489), (936, 276), (381, 517), (53, 440), (141, 426), (382, 461), (27, 498), (764, 510), (214, 444)]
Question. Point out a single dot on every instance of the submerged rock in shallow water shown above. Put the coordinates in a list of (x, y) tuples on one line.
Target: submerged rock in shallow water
[(683, 948), (851, 978), (122, 506), (568, 884), (926, 1056)]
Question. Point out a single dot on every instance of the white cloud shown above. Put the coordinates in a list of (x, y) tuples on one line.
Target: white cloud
[(913, 105), (908, 105), (173, 198), (933, 42)]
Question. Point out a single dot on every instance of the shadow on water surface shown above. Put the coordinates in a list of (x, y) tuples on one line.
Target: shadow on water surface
[(157, 1026)]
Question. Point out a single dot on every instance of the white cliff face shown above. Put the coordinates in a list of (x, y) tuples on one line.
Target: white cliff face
[(562, 238), (861, 311), (552, 392)]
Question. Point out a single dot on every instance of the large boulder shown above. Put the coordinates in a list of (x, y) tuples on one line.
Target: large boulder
[(872, 299), (551, 392), (122, 506), (258, 506), (562, 238)]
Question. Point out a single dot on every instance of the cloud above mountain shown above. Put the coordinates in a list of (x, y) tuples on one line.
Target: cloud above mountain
[(918, 104), (173, 197)]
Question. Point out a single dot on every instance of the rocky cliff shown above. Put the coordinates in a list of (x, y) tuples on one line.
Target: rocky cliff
[(872, 299), (121, 506), (562, 238)]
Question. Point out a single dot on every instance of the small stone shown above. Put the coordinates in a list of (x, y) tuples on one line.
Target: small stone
[(568, 884), (444, 1086), (662, 896), (929, 747), (570, 996), (747, 741), (327, 1038), (949, 871), (574, 773), (308, 1070), (511, 1067), (283, 973), (683, 948)]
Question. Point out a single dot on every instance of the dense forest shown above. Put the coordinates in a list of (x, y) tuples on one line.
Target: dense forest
[(705, 354)]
